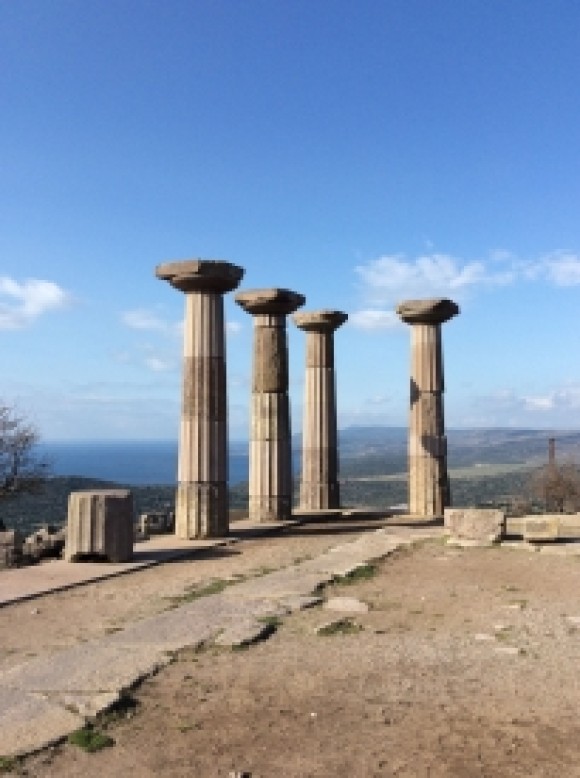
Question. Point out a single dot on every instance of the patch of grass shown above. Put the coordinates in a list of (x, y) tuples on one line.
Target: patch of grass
[(521, 604), (271, 621), (361, 573), (505, 633), (7, 764), (264, 570), (184, 728), (90, 740), (213, 587), (344, 626)]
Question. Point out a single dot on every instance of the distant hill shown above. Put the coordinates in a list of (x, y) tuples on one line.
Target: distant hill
[(465, 446)]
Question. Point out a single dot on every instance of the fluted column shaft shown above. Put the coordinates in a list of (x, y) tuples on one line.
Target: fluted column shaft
[(429, 491), (201, 509), (270, 487), (202, 473), (428, 481), (319, 486)]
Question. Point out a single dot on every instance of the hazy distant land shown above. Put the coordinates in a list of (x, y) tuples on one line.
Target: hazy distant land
[(484, 465)]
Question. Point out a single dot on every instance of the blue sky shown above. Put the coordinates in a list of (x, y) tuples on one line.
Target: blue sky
[(358, 153)]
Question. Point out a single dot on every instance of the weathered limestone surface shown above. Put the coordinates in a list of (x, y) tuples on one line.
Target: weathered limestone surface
[(201, 509), (478, 526), (537, 529), (270, 489), (319, 487), (429, 490), (100, 523)]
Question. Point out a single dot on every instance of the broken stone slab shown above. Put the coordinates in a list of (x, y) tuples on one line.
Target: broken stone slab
[(483, 526), (31, 722), (346, 605), (100, 523), (96, 667), (244, 632)]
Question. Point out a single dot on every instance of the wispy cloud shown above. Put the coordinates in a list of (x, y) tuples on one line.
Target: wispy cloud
[(233, 328), (150, 321), (387, 280), (158, 365), (373, 319), (22, 303)]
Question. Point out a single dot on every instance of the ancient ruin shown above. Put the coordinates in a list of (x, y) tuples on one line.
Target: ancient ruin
[(270, 489), (429, 491), (100, 523), (201, 507), (319, 487)]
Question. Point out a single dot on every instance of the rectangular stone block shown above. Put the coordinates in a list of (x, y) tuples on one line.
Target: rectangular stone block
[(538, 529), (479, 525), (100, 523)]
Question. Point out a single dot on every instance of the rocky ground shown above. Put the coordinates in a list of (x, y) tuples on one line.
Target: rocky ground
[(465, 664)]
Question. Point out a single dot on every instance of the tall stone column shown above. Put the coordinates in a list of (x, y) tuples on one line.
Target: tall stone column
[(429, 490), (319, 488), (201, 509), (270, 437)]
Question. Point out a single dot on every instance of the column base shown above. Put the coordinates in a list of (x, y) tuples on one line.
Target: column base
[(317, 496), (270, 508), (201, 511), (428, 486)]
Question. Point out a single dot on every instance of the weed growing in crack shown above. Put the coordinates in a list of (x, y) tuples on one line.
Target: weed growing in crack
[(344, 626), (90, 740), (214, 587), (7, 764), (360, 573)]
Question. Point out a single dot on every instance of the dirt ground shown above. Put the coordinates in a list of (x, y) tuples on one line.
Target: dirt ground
[(466, 665)]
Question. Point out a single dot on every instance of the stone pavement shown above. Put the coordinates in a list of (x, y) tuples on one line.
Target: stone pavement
[(42, 701), (27, 583)]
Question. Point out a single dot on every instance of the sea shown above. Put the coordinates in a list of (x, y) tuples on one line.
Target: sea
[(134, 463)]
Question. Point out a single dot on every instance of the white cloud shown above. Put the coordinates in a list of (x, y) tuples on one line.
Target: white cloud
[(233, 327), (538, 403), (374, 319), (143, 319), (390, 279), (27, 301), (395, 277), (158, 365), (562, 269)]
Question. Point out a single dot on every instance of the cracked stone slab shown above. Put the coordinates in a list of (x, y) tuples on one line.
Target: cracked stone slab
[(31, 722), (45, 699), (243, 633), (93, 667), (86, 705)]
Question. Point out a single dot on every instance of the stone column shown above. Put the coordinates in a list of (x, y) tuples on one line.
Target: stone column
[(270, 439), (201, 506), (428, 480), (319, 488)]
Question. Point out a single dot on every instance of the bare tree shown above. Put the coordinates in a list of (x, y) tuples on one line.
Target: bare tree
[(557, 486), (21, 470)]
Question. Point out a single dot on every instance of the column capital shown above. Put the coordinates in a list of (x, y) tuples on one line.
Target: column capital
[(269, 301), (319, 321), (433, 311), (201, 275)]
